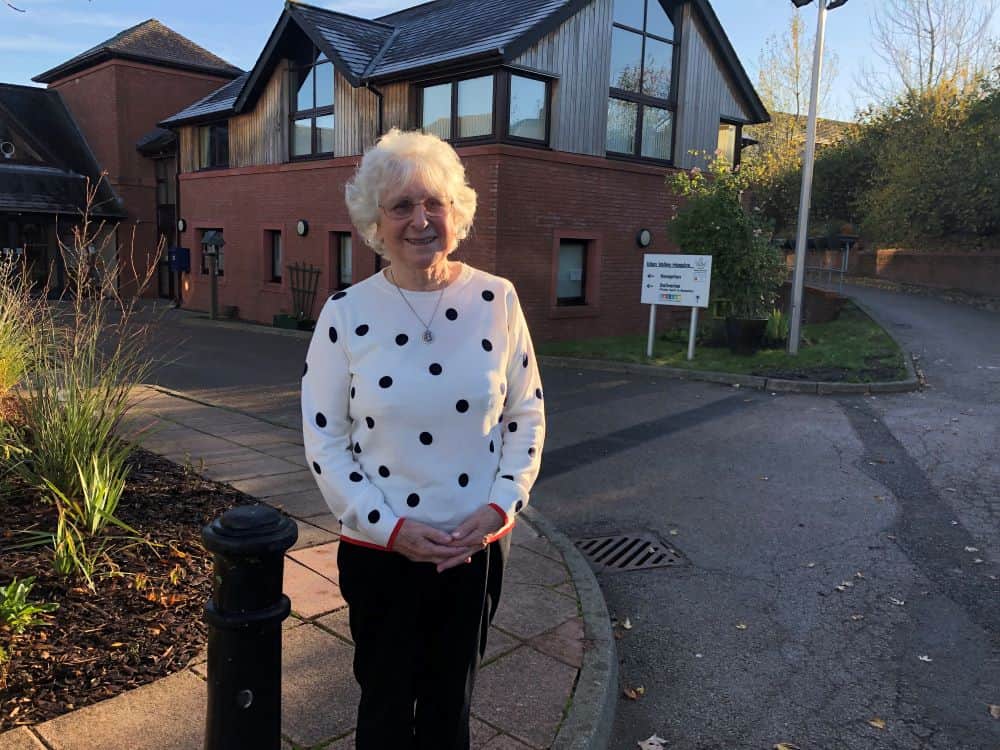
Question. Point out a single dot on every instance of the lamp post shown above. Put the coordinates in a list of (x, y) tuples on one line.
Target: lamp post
[(795, 329)]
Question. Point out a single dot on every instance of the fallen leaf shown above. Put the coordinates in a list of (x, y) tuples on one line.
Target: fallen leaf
[(994, 711), (859, 574), (634, 693), (741, 626), (673, 532), (786, 746), (652, 743), (877, 723), (897, 602), (880, 498), (972, 549), (950, 489), (697, 656), (763, 478), (925, 657), (857, 617), (977, 561), (810, 565), (627, 624)]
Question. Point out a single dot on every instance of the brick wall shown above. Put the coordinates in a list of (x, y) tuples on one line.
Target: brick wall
[(527, 200)]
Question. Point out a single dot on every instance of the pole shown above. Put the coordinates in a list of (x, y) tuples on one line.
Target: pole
[(213, 276), (795, 329), (652, 330), (691, 332)]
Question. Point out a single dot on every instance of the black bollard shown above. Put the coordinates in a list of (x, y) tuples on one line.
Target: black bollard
[(244, 619)]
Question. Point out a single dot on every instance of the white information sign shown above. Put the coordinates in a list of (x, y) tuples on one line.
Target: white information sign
[(681, 280)]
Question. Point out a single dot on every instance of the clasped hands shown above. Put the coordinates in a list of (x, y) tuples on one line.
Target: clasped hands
[(422, 543)]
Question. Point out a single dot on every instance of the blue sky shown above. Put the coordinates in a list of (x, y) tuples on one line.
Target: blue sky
[(51, 31)]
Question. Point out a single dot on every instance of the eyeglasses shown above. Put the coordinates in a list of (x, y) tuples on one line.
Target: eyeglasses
[(403, 209)]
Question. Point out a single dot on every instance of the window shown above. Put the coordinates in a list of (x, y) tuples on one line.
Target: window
[(213, 145), (571, 281), (343, 246), (729, 139), (166, 187), (458, 110), (527, 115), (312, 107), (640, 112), (274, 243), (208, 239)]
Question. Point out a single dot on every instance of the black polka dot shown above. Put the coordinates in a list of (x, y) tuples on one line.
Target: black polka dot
[(508, 476), (385, 381), (361, 330), (500, 420), (352, 391), (333, 334), (374, 516), (451, 313), (517, 506), (356, 477), (316, 468), (524, 361), (402, 339), (505, 403), (426, 438), (383, 471), (462, 406), (320, 419), (538, 393), (512, 427), (435, 369), (532, 451), (492, 447), (488, 295), (357, 447), (305, 369), (413, 499), (339, 295), (370, 422), (487, 345), (463, 480)]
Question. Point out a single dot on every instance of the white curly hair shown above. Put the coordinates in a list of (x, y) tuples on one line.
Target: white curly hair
[(393, 162)]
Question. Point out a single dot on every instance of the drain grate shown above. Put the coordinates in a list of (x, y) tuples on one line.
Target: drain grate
[(629, 552)]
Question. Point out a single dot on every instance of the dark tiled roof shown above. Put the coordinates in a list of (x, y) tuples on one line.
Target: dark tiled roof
[(149, 41), (449, 30), (219, 102), (42, 117), (156, 141), (355, 40)]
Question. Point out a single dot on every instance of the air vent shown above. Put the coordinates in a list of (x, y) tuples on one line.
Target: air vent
[(629, 552)]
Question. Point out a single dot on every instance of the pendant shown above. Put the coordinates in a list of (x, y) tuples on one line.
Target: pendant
[(428, 337)]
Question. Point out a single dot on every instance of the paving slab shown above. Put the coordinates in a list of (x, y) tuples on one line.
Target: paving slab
[(305, 503), (527, 610), (256, 466), (497, 643), (311, 593), (20, 739), (505, 742), (215, 457), (265, 487), (321, 559), (480, 733), (311, 536), (319, 695), (338, 622), (528, 566), (564, 643), (529, 709), (177, 703), (326, 521)]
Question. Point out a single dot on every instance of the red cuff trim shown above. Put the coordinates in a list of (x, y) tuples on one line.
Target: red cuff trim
[(501, 511), (503, 530), (359, 543), (395, 531)]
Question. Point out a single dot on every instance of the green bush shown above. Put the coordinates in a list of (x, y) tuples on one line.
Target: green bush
[(19, 312), (17, 614)]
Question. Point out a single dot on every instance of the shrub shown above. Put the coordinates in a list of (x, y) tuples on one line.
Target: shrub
[(19, 313), (17, 614)]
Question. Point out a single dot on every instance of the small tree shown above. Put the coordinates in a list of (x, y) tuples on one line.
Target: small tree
[(746, 269)]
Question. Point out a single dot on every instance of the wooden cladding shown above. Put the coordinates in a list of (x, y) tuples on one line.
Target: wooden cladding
[(396, 106), (261, 135), (355, 118), (579, 52)]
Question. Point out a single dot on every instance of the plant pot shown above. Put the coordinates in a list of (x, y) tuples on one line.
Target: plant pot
[(745, 334), (286, 321)]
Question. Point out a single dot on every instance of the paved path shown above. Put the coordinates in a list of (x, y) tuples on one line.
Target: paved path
[(536, 647)]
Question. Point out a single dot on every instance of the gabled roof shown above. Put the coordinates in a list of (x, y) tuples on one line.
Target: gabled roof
[(41, 118), (151, 42), (419, 39)]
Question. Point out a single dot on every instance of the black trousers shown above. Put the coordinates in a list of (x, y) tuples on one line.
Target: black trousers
[(419, 636)]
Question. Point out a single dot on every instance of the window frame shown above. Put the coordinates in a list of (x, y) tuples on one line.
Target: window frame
[(737, 148), (644, 100), (215, 146), (505, 99), (593, 249), (453, 82), (296, 71), (272, 235), (335, 238)]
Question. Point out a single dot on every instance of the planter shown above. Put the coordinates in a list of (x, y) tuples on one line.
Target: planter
[(745, 335), (286, 321)]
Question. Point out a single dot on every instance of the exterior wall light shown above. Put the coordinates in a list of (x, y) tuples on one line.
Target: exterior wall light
[(302, 227)]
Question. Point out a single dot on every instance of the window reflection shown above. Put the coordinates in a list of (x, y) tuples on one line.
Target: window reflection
[(475, 107)]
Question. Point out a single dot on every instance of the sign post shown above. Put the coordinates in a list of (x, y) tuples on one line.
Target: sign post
[(679, 280)]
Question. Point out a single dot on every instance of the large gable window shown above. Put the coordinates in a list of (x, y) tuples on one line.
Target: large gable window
[(312, 107), (213, 145), (640, 108)]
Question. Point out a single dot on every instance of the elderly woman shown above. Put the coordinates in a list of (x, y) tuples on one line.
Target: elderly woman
[(423, 424)]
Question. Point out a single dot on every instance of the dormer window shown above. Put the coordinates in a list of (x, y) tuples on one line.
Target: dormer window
[(312, 107), (640, 101)]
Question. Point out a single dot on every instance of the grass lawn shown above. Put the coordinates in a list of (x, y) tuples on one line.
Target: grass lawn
[(851, 349)]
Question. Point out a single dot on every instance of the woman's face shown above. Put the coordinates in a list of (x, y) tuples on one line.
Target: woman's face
[(416, 226)]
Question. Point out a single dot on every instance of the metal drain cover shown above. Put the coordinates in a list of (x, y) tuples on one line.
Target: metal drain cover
[(629, 552)]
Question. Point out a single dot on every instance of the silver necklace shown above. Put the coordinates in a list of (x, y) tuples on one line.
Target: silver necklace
[(427, 336)]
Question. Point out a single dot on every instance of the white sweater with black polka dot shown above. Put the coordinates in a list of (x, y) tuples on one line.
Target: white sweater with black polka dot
[(396, 428)]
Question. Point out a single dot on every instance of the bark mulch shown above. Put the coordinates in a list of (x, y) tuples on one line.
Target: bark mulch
[(143, 623)]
